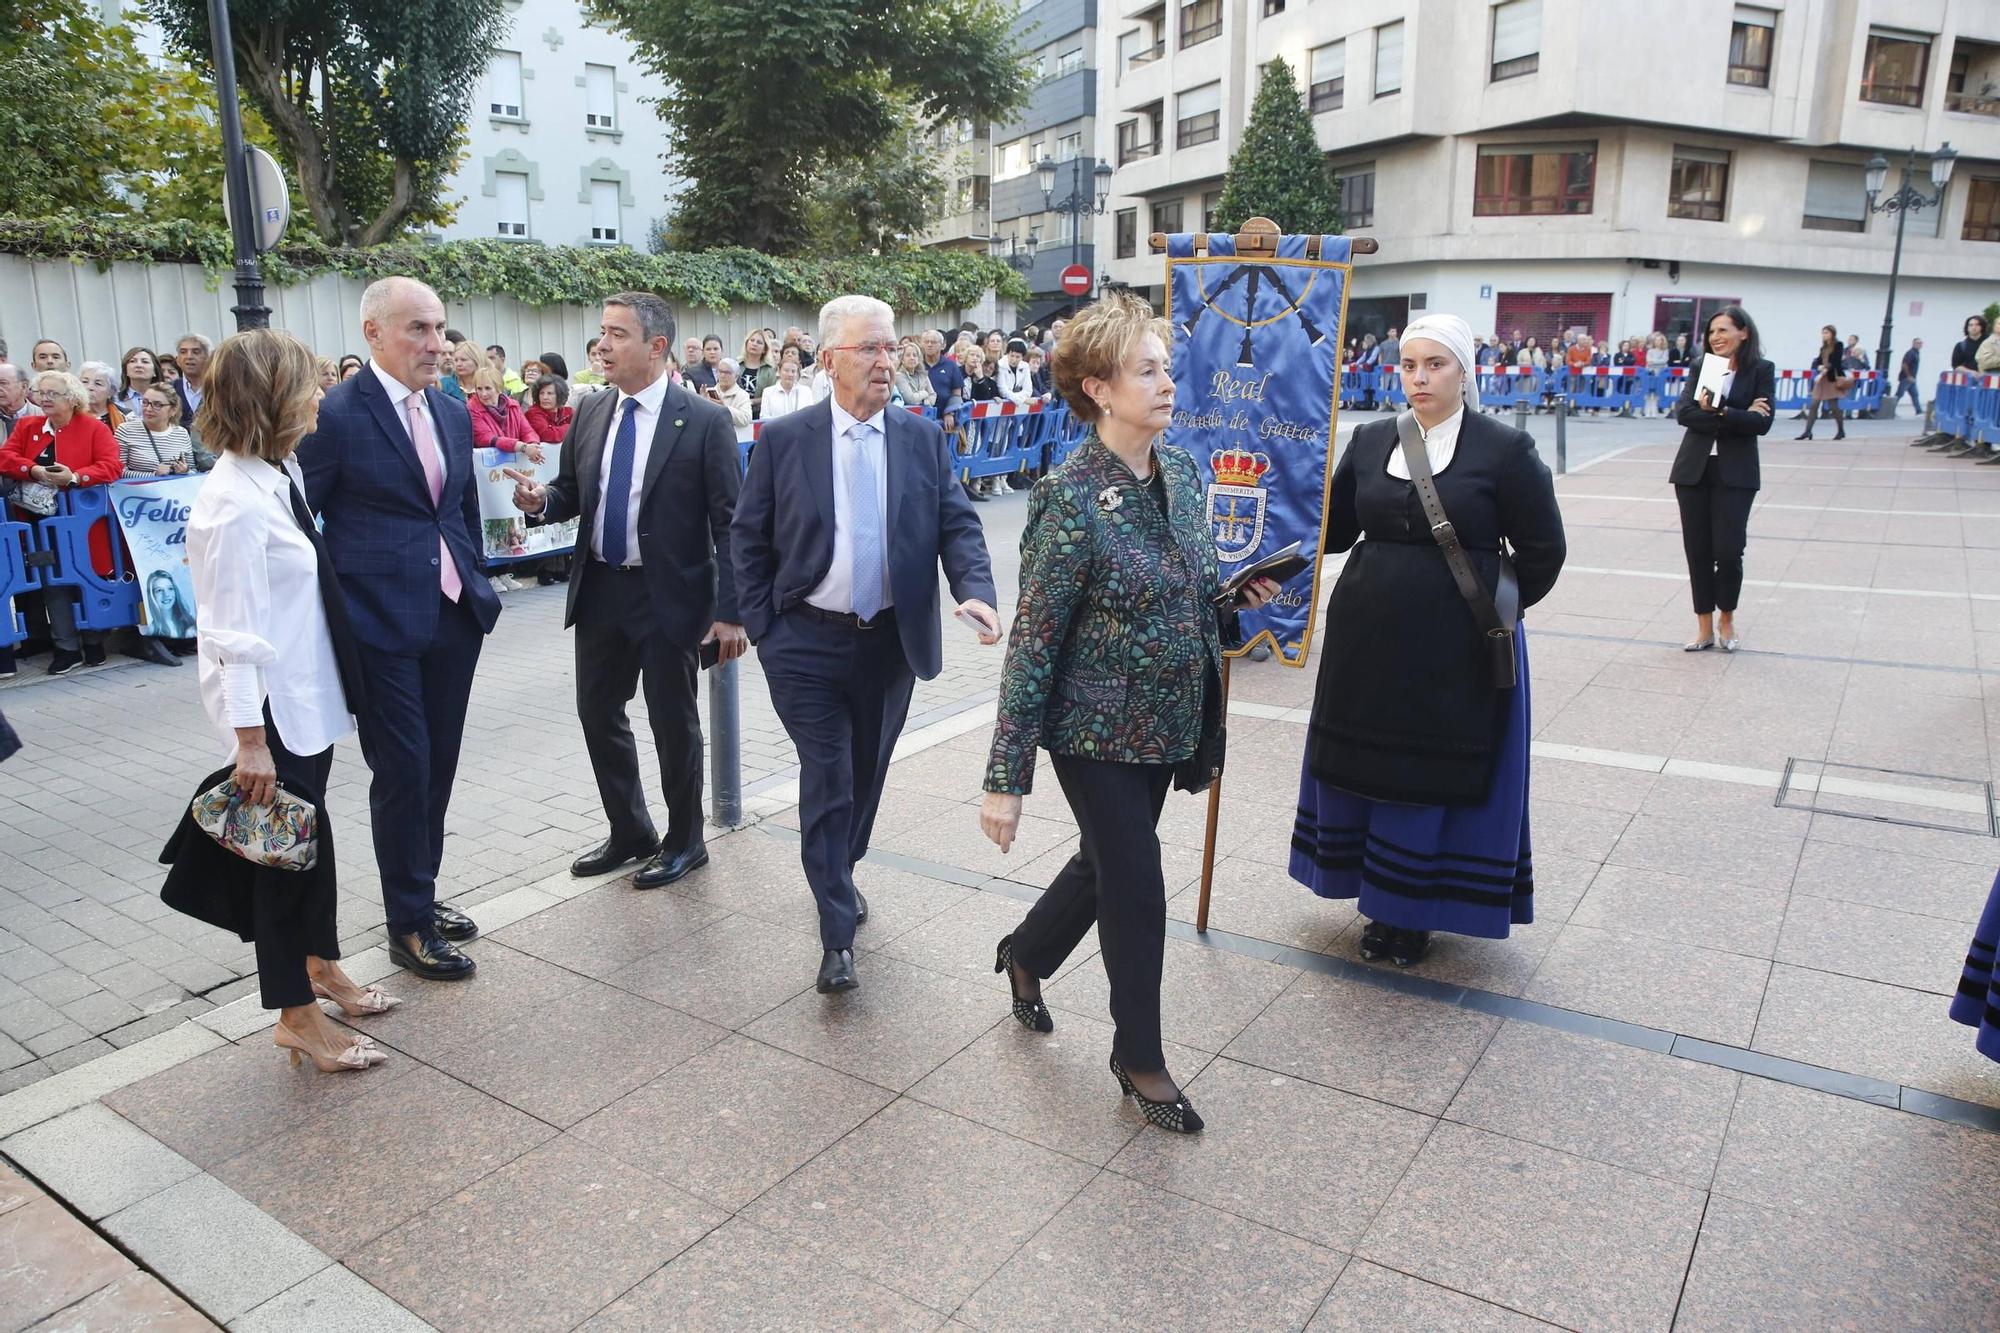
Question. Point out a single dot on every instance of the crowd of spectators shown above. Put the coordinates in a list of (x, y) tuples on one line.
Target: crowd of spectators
[(1575, 350), (137, 417)]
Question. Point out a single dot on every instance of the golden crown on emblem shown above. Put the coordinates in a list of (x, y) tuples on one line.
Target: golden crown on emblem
[(1238, 467)]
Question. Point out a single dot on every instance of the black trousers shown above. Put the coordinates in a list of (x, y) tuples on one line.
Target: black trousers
[(290, 925), (410, 736), (1114, 881), (617, 645), (1715, 525), (843, 694)]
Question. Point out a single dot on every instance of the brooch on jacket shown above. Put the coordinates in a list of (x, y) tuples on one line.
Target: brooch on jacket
[(1110, 498)]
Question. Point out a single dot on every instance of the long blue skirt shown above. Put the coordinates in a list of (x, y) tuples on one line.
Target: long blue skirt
[(1977, 1003), (1467, 869)]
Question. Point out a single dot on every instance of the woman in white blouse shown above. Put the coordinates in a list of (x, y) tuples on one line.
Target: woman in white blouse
[(271, 677), (154, 442), (788, 395)]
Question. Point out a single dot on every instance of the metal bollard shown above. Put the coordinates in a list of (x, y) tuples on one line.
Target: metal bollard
[(1562, 437), (1520, 416), (725, 744)]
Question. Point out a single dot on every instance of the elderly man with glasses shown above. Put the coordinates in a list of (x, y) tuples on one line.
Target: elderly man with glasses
[(846, 514)]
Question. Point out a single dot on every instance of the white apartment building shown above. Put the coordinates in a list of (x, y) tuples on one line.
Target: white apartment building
[(563, 143), (1539, 165)]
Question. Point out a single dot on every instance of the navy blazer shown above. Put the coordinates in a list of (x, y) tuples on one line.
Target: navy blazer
[(783, 536), (365, 481), (1732, 432), (686, 502)]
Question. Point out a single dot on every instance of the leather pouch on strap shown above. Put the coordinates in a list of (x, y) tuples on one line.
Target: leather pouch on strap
[(1496, 615)]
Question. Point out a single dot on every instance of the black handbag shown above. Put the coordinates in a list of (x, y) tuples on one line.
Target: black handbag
[(1496, 615)]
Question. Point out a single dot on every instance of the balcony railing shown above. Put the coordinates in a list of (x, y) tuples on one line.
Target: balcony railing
[(1974, 104), (1146, 57)]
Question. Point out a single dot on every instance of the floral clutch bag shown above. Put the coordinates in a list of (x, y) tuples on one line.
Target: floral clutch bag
[(281, 835)]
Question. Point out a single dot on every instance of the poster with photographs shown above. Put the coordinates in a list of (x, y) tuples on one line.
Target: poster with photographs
[(505, 530)]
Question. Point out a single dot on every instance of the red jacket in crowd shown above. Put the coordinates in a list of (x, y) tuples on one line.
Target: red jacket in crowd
[(86, 447), (550, 427), (501, 426)]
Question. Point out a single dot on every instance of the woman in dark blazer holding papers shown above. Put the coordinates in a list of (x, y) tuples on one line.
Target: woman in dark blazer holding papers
[(1716, 475)]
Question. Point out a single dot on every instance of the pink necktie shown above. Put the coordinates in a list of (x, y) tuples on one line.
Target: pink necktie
[(427, 454)]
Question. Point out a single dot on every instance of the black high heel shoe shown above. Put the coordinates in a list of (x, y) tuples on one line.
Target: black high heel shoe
[(1176, 1116), (1030, 1014)]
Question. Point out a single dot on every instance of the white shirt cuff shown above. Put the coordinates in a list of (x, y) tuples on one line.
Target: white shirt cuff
[(242, 694)]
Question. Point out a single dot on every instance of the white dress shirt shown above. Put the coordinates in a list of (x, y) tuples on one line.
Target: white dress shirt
[(399, 394), (1440, 444), (645, 421), (836, 591), (1728, 383), (262, 626), (779, 401)]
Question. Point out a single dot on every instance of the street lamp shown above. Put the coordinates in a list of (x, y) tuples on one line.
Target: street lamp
[(1078, 204), (1019, 255), (1906, 200)]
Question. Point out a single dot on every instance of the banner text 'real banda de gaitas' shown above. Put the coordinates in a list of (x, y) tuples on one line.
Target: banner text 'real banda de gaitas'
[(1256, 364)]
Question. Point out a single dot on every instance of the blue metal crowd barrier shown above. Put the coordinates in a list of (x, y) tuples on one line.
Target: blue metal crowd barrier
[(17, 576), (1610, 388), (53, 554), (103, 601)]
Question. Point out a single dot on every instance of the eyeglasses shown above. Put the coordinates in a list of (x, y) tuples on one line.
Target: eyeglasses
[(873, 351)]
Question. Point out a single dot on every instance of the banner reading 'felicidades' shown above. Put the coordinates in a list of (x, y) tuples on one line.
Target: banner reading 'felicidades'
[(1256, 362)]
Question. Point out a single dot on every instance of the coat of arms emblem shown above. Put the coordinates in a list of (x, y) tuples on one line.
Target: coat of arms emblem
[(1236, 502)]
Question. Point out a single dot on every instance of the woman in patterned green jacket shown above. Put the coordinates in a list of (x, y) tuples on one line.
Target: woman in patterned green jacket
[(1116, 650)]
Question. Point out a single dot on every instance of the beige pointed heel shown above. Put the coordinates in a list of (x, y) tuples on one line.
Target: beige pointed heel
[(360, 1055), (370, 1000)]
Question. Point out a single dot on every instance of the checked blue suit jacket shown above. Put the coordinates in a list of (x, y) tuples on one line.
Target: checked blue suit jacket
[(364, 479)]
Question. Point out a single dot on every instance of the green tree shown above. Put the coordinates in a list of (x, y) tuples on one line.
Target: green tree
[(1278, 171), (766, 99), (368, 97), (880, 202), (61, 70), (166, 118)]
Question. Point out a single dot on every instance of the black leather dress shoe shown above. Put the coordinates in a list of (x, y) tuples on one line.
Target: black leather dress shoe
[(453, 924), (430, 955), (665, 868), (608, 856), (861, 908), (836, 972)]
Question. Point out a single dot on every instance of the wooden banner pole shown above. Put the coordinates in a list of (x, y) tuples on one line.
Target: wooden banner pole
[(1214, 816)]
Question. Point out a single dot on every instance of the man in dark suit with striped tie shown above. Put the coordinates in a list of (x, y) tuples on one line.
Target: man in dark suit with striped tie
[(651, 472), (389, 468)]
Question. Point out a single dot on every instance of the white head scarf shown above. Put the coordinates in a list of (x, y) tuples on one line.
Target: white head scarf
[(1454, 334)]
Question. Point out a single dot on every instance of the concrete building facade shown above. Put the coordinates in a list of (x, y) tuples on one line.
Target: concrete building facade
[(1060, 124), (563, 143), (1540, 165)]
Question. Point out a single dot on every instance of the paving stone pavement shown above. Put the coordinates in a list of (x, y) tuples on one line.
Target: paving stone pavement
[(1712, 1086)]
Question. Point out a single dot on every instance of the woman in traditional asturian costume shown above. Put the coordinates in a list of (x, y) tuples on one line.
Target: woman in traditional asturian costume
[(1414, 797)]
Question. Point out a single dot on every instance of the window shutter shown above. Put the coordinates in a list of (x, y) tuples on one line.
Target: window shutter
[(1834, 190), (1517, 30)]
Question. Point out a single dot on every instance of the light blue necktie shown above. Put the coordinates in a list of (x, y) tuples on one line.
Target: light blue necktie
[(866, 515)]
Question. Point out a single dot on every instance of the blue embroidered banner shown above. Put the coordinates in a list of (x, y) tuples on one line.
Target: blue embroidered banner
[(1256, 365)]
